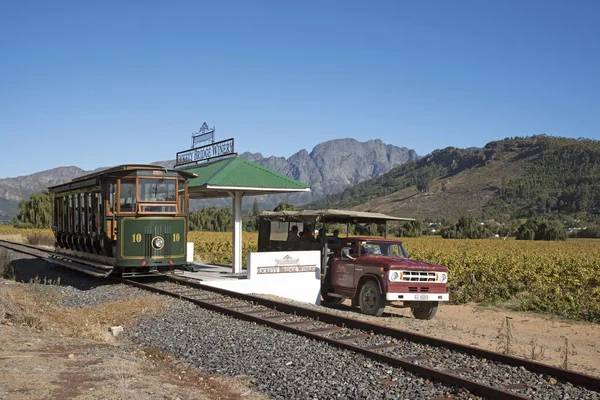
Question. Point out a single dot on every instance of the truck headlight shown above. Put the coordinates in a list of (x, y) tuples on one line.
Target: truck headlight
[(395, 276), (158, 243), (442, 277)]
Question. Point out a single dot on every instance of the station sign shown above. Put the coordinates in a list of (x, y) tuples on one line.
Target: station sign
[(204, 136), (204, 148)]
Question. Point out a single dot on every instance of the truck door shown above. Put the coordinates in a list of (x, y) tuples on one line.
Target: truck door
[(343, 267)]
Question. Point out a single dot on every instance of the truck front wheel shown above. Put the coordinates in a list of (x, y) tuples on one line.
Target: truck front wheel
[(424, 310), (371, 301)]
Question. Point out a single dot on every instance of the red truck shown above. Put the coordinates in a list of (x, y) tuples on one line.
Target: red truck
[(370, 271), (373, 272)]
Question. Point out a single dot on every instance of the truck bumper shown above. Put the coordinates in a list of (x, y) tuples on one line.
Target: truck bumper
[(417, 296)]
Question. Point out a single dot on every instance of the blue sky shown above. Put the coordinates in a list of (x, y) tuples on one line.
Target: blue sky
[(96, 84)]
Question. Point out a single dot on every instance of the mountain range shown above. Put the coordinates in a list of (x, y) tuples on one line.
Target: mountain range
[(329, 168), (506, 179)]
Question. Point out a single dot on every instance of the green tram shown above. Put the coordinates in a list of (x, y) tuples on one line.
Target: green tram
[(130, 220)]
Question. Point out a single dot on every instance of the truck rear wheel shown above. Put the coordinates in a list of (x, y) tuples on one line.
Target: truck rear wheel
[(370, 300), (424, 310)]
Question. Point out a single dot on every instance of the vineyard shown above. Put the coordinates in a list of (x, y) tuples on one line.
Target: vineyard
[(561, 278)]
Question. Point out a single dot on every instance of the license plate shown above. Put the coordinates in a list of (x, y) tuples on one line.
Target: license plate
[(421, 297)]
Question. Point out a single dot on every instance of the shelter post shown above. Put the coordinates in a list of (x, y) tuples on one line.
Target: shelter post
[(236, 258)]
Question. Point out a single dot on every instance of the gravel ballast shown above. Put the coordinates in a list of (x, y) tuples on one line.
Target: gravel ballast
[(283, 365)]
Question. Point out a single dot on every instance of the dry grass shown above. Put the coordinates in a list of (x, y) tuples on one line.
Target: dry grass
[(28, 306), (37, 305), (93, 322), (42, 238), (12, 237), (6, 269)]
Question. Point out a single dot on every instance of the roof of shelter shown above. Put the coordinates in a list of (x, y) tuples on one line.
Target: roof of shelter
[(329, 216), (220, 178)]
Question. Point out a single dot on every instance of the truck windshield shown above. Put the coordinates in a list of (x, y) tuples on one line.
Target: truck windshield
[(382, 248)]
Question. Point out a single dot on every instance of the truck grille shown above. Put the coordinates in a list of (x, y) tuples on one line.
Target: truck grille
[(418, 289), (418, 276)]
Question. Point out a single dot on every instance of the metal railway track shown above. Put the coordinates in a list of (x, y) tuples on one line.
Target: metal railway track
[(340, 331)]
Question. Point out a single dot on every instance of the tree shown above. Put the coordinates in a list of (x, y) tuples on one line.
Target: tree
[(37, 212), (255, 208), (466, 228), (541, 229), (411, 229), (424, 183), (284, 206), (211, 219)]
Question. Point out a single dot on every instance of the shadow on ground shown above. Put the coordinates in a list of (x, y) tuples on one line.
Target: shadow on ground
[(30, 269), (344, 307)]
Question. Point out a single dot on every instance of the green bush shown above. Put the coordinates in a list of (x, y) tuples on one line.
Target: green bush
[(541, 229), (466, 228)]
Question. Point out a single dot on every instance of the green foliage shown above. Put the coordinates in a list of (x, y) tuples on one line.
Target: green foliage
[(211, 219), (590, 231), (466, 228), (37, 212), (561, 179), (283, 206), (541, 229), (367, 229), (411, 229)]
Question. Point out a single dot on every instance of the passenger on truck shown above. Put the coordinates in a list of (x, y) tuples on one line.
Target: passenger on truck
[(335, 238), (293, 235), (307, 235)]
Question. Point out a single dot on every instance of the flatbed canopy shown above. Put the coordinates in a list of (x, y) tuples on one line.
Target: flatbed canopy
[(330, 216)]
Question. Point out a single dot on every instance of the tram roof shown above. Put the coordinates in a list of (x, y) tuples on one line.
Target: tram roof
[(236, 174), (84, 179), (329, 215)]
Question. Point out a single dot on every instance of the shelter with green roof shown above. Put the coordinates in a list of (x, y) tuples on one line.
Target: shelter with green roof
[(237, 177)]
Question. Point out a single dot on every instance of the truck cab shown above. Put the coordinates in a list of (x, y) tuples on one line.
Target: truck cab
[(371, 271)]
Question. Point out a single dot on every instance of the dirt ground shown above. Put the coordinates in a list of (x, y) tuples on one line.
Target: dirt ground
[(481, 327), (47, 365)]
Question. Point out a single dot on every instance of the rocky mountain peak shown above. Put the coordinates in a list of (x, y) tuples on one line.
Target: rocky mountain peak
[(329, 168)]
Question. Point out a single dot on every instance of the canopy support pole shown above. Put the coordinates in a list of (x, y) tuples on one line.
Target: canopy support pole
[(236, 258)]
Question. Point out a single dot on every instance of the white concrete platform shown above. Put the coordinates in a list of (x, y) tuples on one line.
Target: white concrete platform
[(292, 274), (209, 272)]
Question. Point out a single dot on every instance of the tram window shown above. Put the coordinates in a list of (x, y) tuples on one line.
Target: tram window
[(65, 213), (112, 189), (127, 200), (56, 208), (83, 209), (181, 193), (76, 209), (156, 189), (70, 210), (100, 213)]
